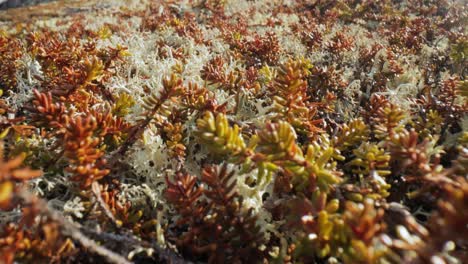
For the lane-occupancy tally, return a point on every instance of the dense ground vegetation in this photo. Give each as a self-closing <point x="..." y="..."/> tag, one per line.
<point x="236" y="132"/>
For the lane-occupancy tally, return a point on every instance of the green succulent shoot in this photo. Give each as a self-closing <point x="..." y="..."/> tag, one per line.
<point x="218" y="135"/>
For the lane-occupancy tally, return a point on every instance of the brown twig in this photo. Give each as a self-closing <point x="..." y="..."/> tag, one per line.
<point x="164" y="254"/>
<point x="71" y="230"/>
<point x="96" y="189"/>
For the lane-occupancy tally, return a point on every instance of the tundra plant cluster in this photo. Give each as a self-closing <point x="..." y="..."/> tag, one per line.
<point x="234" y="131"/>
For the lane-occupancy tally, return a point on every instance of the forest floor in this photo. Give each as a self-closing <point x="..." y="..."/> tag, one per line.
<point x="234" y="131"/>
